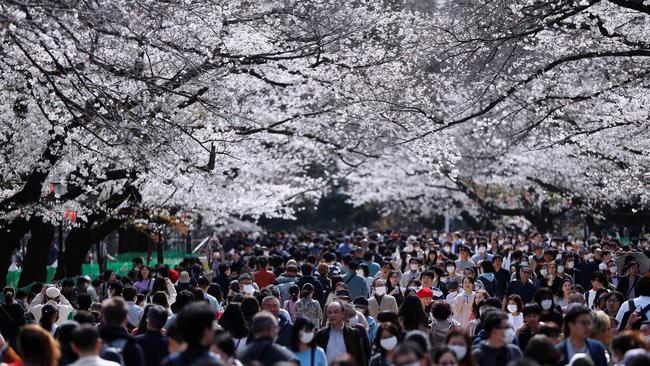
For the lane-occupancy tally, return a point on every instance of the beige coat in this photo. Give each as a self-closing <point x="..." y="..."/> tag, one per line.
<point x="387" y="303"/>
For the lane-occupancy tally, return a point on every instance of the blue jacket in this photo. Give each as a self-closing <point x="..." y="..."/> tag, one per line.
<point x="596" y="351"/>
<point x="357" y="285"/>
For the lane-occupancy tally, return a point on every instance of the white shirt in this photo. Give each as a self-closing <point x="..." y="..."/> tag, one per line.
<point x="93" y="361"/>
<point x="134" y="313"/>
<point x="214" y="303"/>
<point x="639" y="302"/>
<point x="516" y="321"/>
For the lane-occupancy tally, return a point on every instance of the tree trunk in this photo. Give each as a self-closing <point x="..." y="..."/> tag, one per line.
<point x="79" y="242"/>
<point x="38" y="248"/>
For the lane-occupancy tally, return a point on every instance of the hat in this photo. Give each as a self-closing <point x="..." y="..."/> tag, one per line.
<point x="360" y="302"/>
<point x="342" y="294"/>
<point x="184" y="278"/>
<point x="245" y="276"/>
<point x="424" y="293"/>
<point x="52" y="293"/>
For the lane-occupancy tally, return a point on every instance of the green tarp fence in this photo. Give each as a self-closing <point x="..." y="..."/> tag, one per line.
<point x="121" y="266"/>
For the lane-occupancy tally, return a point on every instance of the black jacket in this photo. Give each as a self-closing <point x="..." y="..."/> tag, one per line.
<point x="353" y="343"/>
<point x="132" y="353"/>
<point x="154" y="346"/>
<point x="265" y="351"/>
<point x="624" y="285"/>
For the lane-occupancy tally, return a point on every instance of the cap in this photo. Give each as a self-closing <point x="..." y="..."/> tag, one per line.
<point x="52" y="293"/>
<point x="184" y="278"/>
<point x="245" y="276"/>
<point x="424" y="293"/>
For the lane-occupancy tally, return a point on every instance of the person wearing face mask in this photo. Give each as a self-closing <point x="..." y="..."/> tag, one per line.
<point x="497" y="349"/>
<point x="412" y="273"/>
<point x="570" y="270"/>
<point x="513" y="307"/>
<point x="303" y="344"/>
<point x="481" y="253"/>
<point x="458" y="341"/>
<point x="544" y="298"/>
<point x="380" y="301"/>
<point x="385" y="343"/>
<point x="447" y="252"/>
<point x="450" y="268"/>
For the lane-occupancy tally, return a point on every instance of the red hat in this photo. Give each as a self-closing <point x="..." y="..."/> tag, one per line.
<point x="173" y="275"/>
<point x="424" y="293"/>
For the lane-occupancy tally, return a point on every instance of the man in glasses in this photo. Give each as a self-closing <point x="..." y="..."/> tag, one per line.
<point x="522" y="287"/>
<point x="578" y="322"/>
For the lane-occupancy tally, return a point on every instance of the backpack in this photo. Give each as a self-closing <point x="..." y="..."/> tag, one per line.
<point x="112" y="351"/>
<point x="632" y="308"/>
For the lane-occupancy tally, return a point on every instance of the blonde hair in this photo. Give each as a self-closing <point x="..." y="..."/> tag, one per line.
<point x="602" y="322"/>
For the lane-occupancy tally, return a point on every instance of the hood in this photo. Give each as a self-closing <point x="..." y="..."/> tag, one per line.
<point x="488" y="276"/>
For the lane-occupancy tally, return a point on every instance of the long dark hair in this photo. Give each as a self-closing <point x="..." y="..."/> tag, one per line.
<point x="232" y="320"/>
<point x="412" y="314"/>
<point x="140" y="278"/>
<point x="159" y="285"/>
<point x="142" y="326"/>
<point x="390" y="328"/>
<point x="301" y="324"/>
<point x="48" y="313"/>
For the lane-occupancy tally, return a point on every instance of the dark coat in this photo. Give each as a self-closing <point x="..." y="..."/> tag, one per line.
<point x="353" y="343"/>
<point x="596" y="351"/>
<point x="131" y="353"/>
<point x="154" y="347"/>
<point x="624" y="284"/>
<point x="265" y="351"/>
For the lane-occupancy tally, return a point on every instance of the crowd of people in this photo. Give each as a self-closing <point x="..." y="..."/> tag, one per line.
<point x="357" y="298"/>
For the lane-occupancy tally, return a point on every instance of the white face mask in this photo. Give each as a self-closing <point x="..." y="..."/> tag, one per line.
<point x="446" y="249"/>
<point x="460" y="351"/>
<point x="306" y="337"/>
<point x="558" y="256"/>
<point x="360" y="272"/>
<point x="543" y="272"/>
<point x="414" y="267"/>
<point x="249" y="289"/>
<point x="546" y="304"/>
<point x="380" y="290"/>
<point x="510" y="335"/>
<point x="512" y="308"/>
<point x="388" y="343"/>
<point x="560" y="269"/>
<point x="602" y="266"/>
<point x="451" y="269"/>
<point x="482" y="250"/>
<point x="613" y="270"/>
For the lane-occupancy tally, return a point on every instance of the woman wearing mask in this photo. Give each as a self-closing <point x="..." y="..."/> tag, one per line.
<point x="389" y="337"/>
<point x="460" y="343"/>
<point x="548" y="277"/>
<point x="304" y="346"/>
<point x="464" y="302"/>
<point x="544" y="298"/>
<point x="450" y="267"/>
<point x="513" y="308"/>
